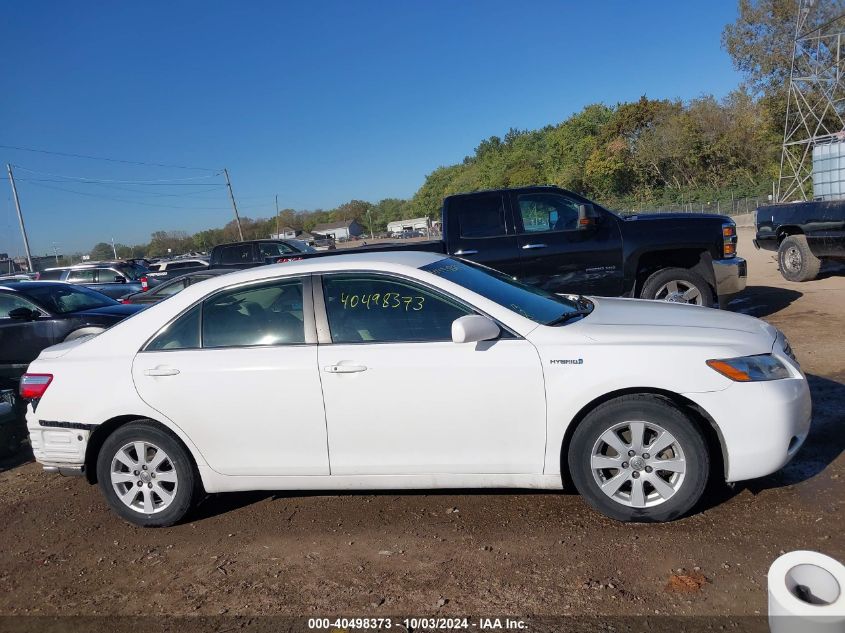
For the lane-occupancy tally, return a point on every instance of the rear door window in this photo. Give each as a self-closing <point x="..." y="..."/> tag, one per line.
<point x="108" y="276"/>
<point x="265" y="314"/>
<point x="236" y="254"/>
<point x="480" y="215"/>
<point x="81" y="276"/>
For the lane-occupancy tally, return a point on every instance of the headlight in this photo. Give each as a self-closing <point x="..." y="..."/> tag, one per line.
<point x="751" y="368"/>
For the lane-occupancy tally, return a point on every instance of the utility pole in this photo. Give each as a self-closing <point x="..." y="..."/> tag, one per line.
<point x="20" y="218"/>
<point x="56" y="253"/>
<point x="113" y="249"/>
<point x="234" y="204"/>
<point x="277" y="217"/>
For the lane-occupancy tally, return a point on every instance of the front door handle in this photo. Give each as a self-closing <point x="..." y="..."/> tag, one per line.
<point x="161" y="371"/>
<point x="528" y="247"/>
<point x="344" y="369"/>
<point x="467" y="252"/>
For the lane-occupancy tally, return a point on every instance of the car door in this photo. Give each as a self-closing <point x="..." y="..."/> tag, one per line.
<point x="402" y="398"/>
<point x="481" y="229"/>
<point x="21" y="340"/>
<point x="558" y="255"/>
<point x="238" y="373"/>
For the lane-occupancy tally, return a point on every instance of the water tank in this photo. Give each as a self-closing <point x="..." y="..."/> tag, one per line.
<point x="829" y="171"/>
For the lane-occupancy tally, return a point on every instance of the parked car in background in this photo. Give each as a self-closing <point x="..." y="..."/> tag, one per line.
<point x="324" y="244"/>
<point x="563" y="243"/>
<point x="247" y="380"/>
<point x="165" y="269"/>
<point x="112" y="278"/>
<point x="37" y="314"/>
<point x="257" y="252"/>
<point x="803" y="234"/>
<point x="172" y="286"/>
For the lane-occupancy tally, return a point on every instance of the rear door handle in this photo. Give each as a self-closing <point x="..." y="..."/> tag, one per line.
<point x="528" y="247"/>
<point x="161" y="371"/>
<point x="467" y="252"/>
<point x="344" y="369"/>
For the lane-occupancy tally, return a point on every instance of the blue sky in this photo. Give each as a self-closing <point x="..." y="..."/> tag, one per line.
<point x="318" y="102"/>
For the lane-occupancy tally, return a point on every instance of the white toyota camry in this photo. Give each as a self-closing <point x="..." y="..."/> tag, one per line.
<point x="414" y="370"/>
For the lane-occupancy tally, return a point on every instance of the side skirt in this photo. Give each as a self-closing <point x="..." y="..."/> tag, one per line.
<point x="215" y="482"/>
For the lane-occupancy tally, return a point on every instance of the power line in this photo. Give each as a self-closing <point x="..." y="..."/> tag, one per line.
<point x="109" y="160"/>
<point x="125" y="200"/>
<point x="159" y="182"/>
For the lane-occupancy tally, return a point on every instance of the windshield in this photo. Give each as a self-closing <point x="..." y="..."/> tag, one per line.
<point x="528" y="301"/>
<point x="63" y="299"/>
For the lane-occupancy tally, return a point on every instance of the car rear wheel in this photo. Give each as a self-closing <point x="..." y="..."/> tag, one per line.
<point x="678" y="285"/>
<point x="146" y="475"/>
<point x="639" y="458"/>
<point x="796" y="260"/>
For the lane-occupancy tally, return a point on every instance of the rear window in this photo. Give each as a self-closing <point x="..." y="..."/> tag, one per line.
<point x="51" y="275"/>
<point x="480" y="215"/>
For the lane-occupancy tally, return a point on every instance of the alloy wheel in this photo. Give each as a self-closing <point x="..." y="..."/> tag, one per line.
<point x="143" y="477"/>
<point x="638" y="464"/>
<point x="679" y="291"/>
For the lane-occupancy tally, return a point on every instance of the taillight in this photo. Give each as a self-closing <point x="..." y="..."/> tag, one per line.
<point x="144" y="284"/>
<point x="33" y="386"/>
<point x="729" y="239"/>
<point x="125" y="301"/>
<point x="37" y="276"/>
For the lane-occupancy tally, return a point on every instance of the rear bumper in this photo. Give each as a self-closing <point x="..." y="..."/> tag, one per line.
<point x="761" y="425"/>
<point x="57" y="449"/>
<point x="731" y="276"/>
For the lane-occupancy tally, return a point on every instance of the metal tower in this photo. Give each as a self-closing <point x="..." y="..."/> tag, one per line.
<point x="815" y="111"/>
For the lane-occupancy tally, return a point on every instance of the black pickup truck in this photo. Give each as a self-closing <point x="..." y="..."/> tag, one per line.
<point x="802" y="234"/>
<point x="562" y="242"/>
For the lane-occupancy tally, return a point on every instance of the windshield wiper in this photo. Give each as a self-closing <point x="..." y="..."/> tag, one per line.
<point x="567" y="316"/>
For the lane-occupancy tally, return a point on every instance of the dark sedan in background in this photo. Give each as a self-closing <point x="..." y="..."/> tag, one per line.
<point x="37" y="314"/>
<point x="171" y="287"/>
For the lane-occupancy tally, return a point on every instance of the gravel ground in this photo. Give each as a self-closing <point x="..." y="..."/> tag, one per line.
<point x="493" y="552"/>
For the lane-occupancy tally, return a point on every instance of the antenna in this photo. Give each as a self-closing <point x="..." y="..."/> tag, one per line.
<point x="816" y="103"/>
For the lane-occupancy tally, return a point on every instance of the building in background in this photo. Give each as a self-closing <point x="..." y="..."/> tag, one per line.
<point x="414" y="224"/>
<point x="339" y="231"/>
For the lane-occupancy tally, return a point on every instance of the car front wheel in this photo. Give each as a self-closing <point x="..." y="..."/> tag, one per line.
<point x="146" y="475"/>
<point x="678" y="285"/>
<point x="639" y="458"/>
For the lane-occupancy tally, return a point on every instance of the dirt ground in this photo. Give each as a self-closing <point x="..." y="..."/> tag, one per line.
<point x="459" y="552"/>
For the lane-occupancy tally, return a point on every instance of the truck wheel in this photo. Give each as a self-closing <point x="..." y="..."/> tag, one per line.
<point x="146" y="475"/>
<point x="678" y="285"/>
<point x="796" y="260"/>
<point x="639" y="458"/>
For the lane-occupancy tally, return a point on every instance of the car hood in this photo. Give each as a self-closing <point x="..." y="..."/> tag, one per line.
<point x="630" y="321"/>
<point x="117" y="311"/>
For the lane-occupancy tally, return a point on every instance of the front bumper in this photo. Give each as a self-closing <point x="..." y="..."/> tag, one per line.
<point x="731" y="276"/>
<point x="761" y="424"/>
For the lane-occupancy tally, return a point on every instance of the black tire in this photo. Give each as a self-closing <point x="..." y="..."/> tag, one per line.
<point x="796" y="261"/>
<point x="653" y="410"/>
<point x="180" y="466"/>
<point x="655" y="287"/>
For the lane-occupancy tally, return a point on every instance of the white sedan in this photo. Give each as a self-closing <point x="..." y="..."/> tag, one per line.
<point x="414" y="370"/>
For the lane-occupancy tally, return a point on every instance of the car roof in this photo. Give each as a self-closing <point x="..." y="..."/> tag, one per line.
<point x="350" y="261"/>
<point x="22" y="285"/>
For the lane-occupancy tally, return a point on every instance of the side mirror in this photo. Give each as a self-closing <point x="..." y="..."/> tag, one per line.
<point x="24" y="314"/>
<point x="473" y="328"/>
<point x="588" y="217"/>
